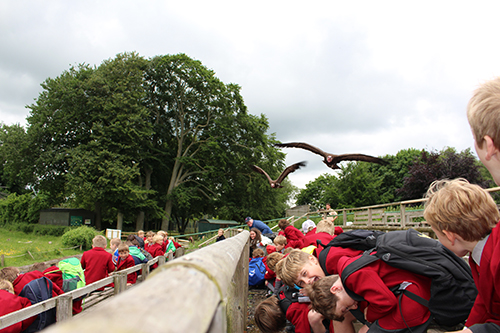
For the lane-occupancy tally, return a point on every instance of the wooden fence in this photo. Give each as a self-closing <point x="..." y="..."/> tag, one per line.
<point x="203" y="291"/>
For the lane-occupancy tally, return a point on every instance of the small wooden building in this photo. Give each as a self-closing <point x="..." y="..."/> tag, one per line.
<point x="67" y="217"/>
<point x="211" y="224"/>
<point x="297" y="211"/>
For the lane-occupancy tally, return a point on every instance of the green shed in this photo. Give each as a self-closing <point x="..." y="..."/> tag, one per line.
<point x="67" y="217"/>
<point x="211" y="224"/>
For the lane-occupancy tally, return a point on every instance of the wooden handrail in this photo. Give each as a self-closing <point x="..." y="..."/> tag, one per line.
<point x="203" y="291"/>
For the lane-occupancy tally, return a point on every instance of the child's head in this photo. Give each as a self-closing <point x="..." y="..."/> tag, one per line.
<point x="150" y="235"/>
<point x="140" y="233"/>
<point x="220" y="232"/>
<point x="329" y="298"/>
<point x="99" y="241"/>
<point x="157" y="239"/>
<point x="39" y="266"/>
<point x="272" y="260"/>
<point x="6" y="285"/>
<point x="280" y="242"/>
<point x="483" y="112"/>
<point x="299" y="268"/>
<point x="269" y="317"/>
<point x="114" y="243"/>
<point x="9" y="273"/>
<point x="257" y="253"/>
<point x="123" y="251"/>
<point x="288" y="250"/>
<point x="326" y="226"/>
<point x="283" y="223"/>
<point x="460" y="207"/>
<point x="307" y="226"/>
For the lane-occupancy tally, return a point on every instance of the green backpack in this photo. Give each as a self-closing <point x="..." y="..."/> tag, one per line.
<point x="72" y="273"/>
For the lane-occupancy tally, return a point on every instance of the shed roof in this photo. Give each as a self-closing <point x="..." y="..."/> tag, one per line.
<point x="213" y="221"/>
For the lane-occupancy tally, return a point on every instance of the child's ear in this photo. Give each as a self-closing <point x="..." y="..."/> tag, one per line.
<point x="452" y="237"/>
<point x="335" y="289"/>
<point x="491" y="149"/>
<point x="313" y="260"/>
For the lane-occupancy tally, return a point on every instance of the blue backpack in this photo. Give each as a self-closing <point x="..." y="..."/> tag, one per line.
<point x="37" y="291"/>
<point x="256" y="272"/>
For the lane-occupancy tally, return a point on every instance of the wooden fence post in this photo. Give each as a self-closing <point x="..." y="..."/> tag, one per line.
<point x="144" y="271"/>
<point x="161" y="260"/>
<point x="64" y="308"/>
<point x="403" y="217"/>
<point x="344" y="216"/>
<point x="120" y="281"/>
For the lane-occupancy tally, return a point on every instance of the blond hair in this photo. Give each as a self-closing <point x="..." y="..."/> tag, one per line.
<point x="289" y="267"/>
<point x="99" y="241"/>
<point x="157" y="238"/>
<point x="483" y="112"/>
<point x="460" y="207"/>
<point x="272" y="260"/>
<point x="115" y="241"/>
<point x="322" y="299"/>
<point x="325" y="226"/>
<point x="268" y="316"/>
<point x="6" y="285"/>
<point x="280" y="240"/>
<point x="123" y="247"/>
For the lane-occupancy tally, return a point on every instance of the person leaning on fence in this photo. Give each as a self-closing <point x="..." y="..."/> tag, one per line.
<point x="18" y="280"/>
<point x="97" y="262"/>
<point x="125" y="261"/>
<point x="324" y="233"/>
<point x="293" y="235"/>
<point x="220" y="235"/>
<point x="464" y="218"/>
<point x="134" y="250"/>
<point x="149" y="240"/>
<point x="10" y="303"/>
<point x="263" y="228"/>
<point x="255" y="240"/>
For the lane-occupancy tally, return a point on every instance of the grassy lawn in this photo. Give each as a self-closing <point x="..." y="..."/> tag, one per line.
<point x="14" y="245"/>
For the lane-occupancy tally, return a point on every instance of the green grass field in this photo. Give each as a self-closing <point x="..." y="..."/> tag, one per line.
<point x="14" y="246"/>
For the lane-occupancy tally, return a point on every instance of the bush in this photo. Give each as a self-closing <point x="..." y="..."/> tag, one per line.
<point x="79" y="236"/>
<point x="50" y="230"/>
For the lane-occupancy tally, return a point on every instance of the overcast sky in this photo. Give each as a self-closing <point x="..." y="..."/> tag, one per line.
<point x="369" y="77"/>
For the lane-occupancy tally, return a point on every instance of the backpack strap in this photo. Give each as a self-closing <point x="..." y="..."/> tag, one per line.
<point x="323" y="255"/>
<point x="361" y="262"/>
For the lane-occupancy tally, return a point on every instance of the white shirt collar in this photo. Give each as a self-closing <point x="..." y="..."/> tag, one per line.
<point x="478" y="250"/>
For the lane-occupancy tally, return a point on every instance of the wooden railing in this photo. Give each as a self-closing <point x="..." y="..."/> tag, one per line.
<point x="203" y="291"/>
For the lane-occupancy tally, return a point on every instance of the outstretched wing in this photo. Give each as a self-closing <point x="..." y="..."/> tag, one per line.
<point x="358" y="157"/>
<point x="260" y="170"/>
<point x="290" y="169"/>
<point x="302" y="145"/>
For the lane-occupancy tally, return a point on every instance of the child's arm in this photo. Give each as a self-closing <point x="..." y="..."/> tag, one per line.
<point x="316" y="322"/>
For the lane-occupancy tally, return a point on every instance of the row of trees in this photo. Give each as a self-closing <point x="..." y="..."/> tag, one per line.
<point x="407" y="176"/>
<point x="145" y="140"/>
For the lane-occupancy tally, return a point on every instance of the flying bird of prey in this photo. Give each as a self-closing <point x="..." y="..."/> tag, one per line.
<point x="331" y="160"/>
<point x="277" y="183"/>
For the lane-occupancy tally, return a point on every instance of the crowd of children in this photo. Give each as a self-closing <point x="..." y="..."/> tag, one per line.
<point x="95" y="264"/>
<point x="464" y="218"/>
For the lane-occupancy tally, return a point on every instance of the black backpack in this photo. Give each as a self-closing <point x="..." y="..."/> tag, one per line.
<point x="452" y="288"/>
<point x="37" y="291"/>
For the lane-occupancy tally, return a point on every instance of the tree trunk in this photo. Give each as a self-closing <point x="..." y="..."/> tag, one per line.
<point x="139" y="223"/>
<point x="98" y="217"/>
<point x="166" y="218"/>
<point x="119" y="223"/>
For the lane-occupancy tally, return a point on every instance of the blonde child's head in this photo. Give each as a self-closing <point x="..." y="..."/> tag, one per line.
<point x="483" y="112"/>
<point x="272" y="260"/>
<point x="9" y="273"/>
<point x="157" y="239"/>
<point x="322" y="299"/>
<point x="99" y="241"/>
<point x="114" y="243"/>
<point x="140" y="233"/>
<point x="462" y="208"/>
<point x="257" y="253"/>
<point x="268" y="316"/>
<point x="6" y="285"/>
<point x="280" y="242"/>
<point x="289" y="267"/>
<point x="326" y="226"/>
<point x="288" y="250"/>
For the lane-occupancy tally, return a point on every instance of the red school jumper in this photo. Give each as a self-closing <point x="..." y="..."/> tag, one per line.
<point x="11" y="303"/>
<point x="24" y="279"/>
<point x="486" y="308"/>
<point x="97" y="264"/>
<point x="373" y="281"/>
<point x="294" y="238"/>
<point x="156" y="250"/>
<point x="312" y="239"/>
<point x="123" y="264"/>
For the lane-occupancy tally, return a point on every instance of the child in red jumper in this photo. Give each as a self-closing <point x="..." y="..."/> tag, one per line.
<point x="18" y="280"/>
<point x="294" y="237"/>
<point x="97" y="262"/>
<point x="125" y="261"/>
<point x="156" y="249"/>
<point x="324" y="233"/>
<point x="10" y="303"/>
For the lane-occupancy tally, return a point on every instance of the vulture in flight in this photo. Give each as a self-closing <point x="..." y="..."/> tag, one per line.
<point x="277" y="183"/>
<point x="331" y="160"/>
